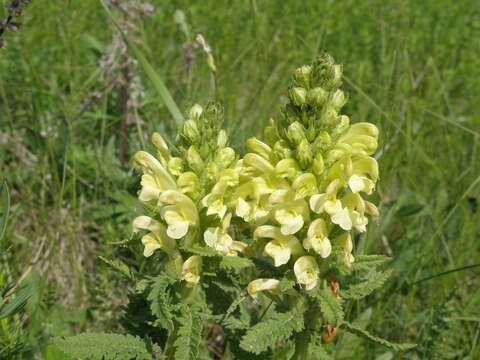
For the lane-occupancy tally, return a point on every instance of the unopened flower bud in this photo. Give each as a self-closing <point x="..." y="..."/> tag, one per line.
<point x="282" y="150"/>
<point x="318" y="165"/>
<point x="296" y="133"/>
<point x="160" y="145"/>
<point x="304" y="154"/>
<point x="338" y="99"/>
<point x="195" y="111"/>
<point x="194" y="160"/>
<point x="297" y="96"/>
<point x="175" y="166"/>
<point x="301" y="76"/>
<point x="222" y="139"/>
<point x="225" y="157"/>
<point x="270" y="135"/>
<point x="258" y="147"/>
<point x="317" y="96"/>
<point x="329" y="116"/>
<point x="190" y="131"/>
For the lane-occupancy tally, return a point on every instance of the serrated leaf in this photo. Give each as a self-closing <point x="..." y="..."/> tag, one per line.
<point x="199" y="250"/>
<point x="233" y="306"/>
<point x="369" y="262"/>
<point x="317" y="352"/>
<point x="119" y="267"/>
<point x="189" y="333"/>
<point x="373" y="281"/>
<point x="288" y="281"/>
<point x="103" y="346"/>
<point x="269" y="332"/>
<point x="234" y="262"/>
<point x="160" y="301"/>
<point x="330" y="306"/>
<point x="365" y="334"/>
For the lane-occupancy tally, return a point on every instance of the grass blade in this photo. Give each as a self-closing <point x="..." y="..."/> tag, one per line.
<point x="5" y="209"/>
<point x="151" y="73"/>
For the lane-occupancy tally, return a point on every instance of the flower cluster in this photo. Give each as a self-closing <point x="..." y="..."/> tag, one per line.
<point x="305" y="183"/>
<point x="299" y="193"/>
<point x="185" y="194"/>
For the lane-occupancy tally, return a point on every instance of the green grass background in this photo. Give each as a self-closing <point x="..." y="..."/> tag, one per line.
<point x="411" y="67"/>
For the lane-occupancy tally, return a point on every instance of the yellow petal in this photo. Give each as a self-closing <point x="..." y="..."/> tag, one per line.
<point x="342" y="218"/>
<point x="152" y="166"/>
<point x="151" y="243"/>
<point x="186" y="205"/>
<point x="258" y="163"/>
<point x="278" y="251"/>
<point x="317" y="202"/>
<point x="218" y="239"/>
<point x="271" y="285"/>
<point x="191" y="270"/>
<point x="306" y="271"/>
<point x="178" y="229"/>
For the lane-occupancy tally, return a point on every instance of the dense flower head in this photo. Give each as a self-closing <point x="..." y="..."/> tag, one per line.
<point x="310" y="176"/>
<point x="184" y="192"/>
<point x="297" y="196"/>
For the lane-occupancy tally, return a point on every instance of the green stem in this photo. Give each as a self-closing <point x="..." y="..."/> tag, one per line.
<point x="301" y="345"/>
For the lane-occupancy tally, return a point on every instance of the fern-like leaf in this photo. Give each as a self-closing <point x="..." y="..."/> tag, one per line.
<point x="119" y="267"/>
<point x="103" y="346"/>
<point x="369" y="262"/>
<point x="317" y="352"/>
<point x="373" y="281"/>
<point x="160" y="301"/>
<point x="234" y="262"/>
<point x="269" y="332"/>
<point x="365" y="334"/>
<point x="330" y="306"/>
<point x="189" y="334"/>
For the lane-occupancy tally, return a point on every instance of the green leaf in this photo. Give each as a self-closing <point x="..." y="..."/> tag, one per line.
<point x="189" y="334"/>
<point x="234" y="262"/>
<point x="288" y="281"/>
<point x="369" y="262"/>
<point x="199" y="250"/>
<point x="269" y="332"/>
<point x="103" y="346"/>
<point x="233" y="306"/>
<point x="373" y="281"/>
<point x="317" y="352"/>
<point x="330" y="306"/>
<point x="119" y="267"/>
<point x="161" y="301"/>
<point x="366" y="335"/>
<point x="151" y="73"/>
<point x="18" y="303"/>
<point x="5" y="209"/>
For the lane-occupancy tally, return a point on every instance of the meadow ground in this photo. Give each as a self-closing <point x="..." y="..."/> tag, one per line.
<point x="412" y="68"/>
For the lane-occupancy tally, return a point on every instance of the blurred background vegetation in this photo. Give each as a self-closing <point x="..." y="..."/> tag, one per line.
<point x="75" y="106"/>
